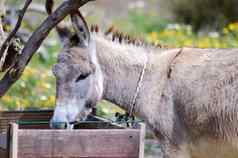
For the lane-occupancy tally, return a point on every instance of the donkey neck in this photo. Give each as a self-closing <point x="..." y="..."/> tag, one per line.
<point x="121" y="65"/>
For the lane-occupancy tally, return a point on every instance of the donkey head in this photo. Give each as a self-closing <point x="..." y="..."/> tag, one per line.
<point x="78" y="76"/>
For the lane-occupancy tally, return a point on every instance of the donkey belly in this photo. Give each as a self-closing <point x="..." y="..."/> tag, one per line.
<point x="211" y="148"/>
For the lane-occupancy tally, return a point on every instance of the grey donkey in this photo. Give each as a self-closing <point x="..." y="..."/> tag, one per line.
<point x="188" y="96"/>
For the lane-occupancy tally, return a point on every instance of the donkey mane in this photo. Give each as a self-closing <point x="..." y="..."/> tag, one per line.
<point x="117" y="37"/>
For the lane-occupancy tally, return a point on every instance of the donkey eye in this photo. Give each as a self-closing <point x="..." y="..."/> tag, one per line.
<point x="81" y="77"/>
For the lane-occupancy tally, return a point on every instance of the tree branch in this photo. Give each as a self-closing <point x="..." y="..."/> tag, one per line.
<point x="14" y="31"/>
<point x="36" y="39"/>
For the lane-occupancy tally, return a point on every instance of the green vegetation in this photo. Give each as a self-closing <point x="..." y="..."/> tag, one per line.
<point x="36" y="88"/>
<point x="212" y="14"/>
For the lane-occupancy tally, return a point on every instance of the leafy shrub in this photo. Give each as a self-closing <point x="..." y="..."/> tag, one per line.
<point x="204" y="13"/>
<point x="146" y="22"/>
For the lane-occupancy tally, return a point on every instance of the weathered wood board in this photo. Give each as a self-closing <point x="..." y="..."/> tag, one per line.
<point x="3" y="146"/>
<point x="85" y="143"/>
<point x="99" y="140"/>
<point x="3" y="153"/>
<point x="7" y="117"/>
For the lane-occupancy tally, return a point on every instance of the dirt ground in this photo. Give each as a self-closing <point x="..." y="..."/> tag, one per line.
<point x="152" y="149"/>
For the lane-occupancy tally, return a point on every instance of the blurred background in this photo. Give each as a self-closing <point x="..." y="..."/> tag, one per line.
<point x="177" y="23"/>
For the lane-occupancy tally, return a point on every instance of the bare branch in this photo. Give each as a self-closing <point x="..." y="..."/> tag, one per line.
<point x="14" y="31"/>
<point x="36" y="39"/>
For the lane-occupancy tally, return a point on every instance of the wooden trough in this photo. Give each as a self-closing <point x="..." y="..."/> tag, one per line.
<point x="96" y="139"/>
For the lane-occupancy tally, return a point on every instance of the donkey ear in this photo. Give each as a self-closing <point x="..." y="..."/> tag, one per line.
<point x="62" y="29"/>
<point x="63" y="32"/>
<point x="81" y="28"/>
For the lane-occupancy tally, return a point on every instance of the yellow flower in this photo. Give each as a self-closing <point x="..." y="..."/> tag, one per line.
<point x="22" y="84"/>
<point x="18" y="104"/>
<point x="7" y="28"/>
<point x="6" y="98"/>
<point x="225" y="31"/>
<point x="233" y="26"/>
<point x="171" y="33"/>
<point x="28" y="72"/>
<point x="188" y="42"/>
<point x="46" y="85"/>
<point x="216" y="44"/>
<point x="43" y="98"/>
<point x="204" y="43"/>
<point x="52" y="99"/>
<point x="152" y="37"/>
<point x="49" y="102"/>
<point x="25" y="103"/>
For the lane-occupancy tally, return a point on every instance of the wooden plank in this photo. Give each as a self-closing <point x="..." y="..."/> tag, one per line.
<point x="39" y="126"/>
<point x="23" y="114"/>
<point x="115" y="143"/>
<point x="3" y="153"/>
<point x="3" y="146"/>
<point x="13" y="141"/>
<point x="97" y="125"/>
<point x="142" y="140"/>
<point x="3" y="141"/>
<point x="7" y="117"/>
<point x="26" y="114"/>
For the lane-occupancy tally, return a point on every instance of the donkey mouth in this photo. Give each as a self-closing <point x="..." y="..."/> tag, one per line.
<point x="67" y="125"/>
